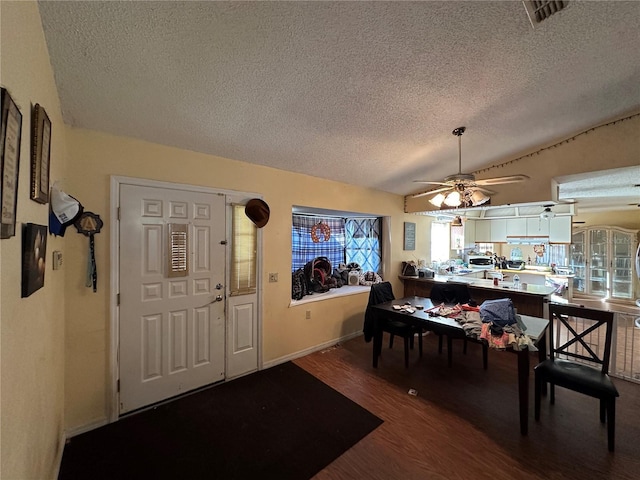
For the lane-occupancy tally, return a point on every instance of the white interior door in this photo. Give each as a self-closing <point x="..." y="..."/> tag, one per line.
<point x="172" y="308"/>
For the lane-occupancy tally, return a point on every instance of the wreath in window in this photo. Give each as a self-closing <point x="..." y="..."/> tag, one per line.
<point x="320" y="230"/>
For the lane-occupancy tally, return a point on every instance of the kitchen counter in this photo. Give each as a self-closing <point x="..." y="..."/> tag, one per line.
<point x="530" y="301"/>
<point x="484" y="284"/>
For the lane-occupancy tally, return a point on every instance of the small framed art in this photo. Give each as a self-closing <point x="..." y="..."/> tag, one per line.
<point x="10" y="133"/>
<point x="40" y="155"/>
<point x="34" y="253"/>
<point x="409" y="236"/>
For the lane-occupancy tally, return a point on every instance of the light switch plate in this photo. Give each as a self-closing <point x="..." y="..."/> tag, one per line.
<point x="57" y="259"/>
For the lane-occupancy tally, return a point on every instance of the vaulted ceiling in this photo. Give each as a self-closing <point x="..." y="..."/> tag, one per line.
<point x="361" y="92"/>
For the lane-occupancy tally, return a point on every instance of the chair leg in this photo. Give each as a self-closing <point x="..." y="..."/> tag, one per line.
<point x="552" y="393"/>
<point x="611" y="423"/>
<point x="449" y="351"/>
<point x="420" y="342"/>
<point x="391" y="340"/>
<point x="537" y="395"/>
<point x="411" y="341"/>
<point x="406" y="352"/>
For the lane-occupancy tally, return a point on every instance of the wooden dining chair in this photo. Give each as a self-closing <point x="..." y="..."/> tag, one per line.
<point x="451" y="293"/>
<point x="383" y="292"/>
<point x="579" y="354"/>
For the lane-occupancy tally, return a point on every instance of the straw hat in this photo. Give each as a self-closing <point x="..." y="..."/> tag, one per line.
<point x="257" y="211"/>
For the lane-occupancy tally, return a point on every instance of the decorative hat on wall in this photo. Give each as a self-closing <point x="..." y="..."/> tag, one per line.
<point x="257" y="211"/>
<point x="64" y="210"/>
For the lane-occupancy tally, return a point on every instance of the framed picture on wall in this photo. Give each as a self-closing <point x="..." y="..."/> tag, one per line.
<point x="34" y="253"/>
<point x="40" y="155"/>
<point x="409" y="236"/>
<point x="10" y="133"/>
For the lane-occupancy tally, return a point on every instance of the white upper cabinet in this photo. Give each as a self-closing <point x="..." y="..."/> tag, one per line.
<point x="498" y="230"/>
<point x="516" y="227"/>
<point x="537" y="227"/>
<point x="560" y="230"/>
<point x="483" y="231"/>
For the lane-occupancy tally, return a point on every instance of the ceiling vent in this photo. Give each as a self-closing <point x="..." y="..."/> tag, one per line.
<point x="539" y="10"/>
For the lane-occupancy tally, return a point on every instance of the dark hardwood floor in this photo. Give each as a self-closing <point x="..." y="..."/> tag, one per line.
<point x="463" y="422"/>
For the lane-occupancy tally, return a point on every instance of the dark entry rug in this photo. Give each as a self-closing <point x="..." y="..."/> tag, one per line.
<point x="280" y="423"/>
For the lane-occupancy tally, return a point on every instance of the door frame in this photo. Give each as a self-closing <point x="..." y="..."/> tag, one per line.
<point x="231" y="196"/>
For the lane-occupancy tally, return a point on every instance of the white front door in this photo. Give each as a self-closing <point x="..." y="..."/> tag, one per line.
<point x="171" y="325"/>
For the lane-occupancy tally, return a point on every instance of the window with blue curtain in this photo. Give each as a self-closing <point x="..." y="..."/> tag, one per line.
<point x="341" y="240"/>
<point x="363" y="243"/>
<point x="315" y="236"/>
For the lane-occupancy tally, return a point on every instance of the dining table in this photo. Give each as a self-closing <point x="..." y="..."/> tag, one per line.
<point x="422" y="316"/>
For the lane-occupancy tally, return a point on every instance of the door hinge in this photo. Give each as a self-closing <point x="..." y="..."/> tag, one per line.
<point x="118" y="385"/>
<point x="118" y="299"/>
<point x="118" y="213"/>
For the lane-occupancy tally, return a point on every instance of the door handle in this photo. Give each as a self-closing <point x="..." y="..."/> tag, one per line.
<point x="218" y="298"/>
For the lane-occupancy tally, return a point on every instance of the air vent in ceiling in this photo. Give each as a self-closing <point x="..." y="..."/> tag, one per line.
<point x="538" y="10"/>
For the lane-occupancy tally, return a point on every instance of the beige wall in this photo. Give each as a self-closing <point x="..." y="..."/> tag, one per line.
<point x="94" y="157"/>
<point x="31" y="329"/>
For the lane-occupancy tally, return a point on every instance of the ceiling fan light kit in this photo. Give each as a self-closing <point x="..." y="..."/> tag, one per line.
<point x="464" y="189"/>
<point x="547" y="214"/>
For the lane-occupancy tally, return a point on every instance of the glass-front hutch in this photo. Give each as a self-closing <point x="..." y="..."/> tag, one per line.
<point x="603" y="260"/>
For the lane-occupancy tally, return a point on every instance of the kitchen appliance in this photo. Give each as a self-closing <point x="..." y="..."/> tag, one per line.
<point x="480" y="262"/>
<point x="515" y="264"/>
<point x="425" y="273"/>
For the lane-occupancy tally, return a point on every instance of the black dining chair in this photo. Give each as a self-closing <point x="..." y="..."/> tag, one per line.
<point x="579" y="354"/>
<point x="451" y="293"/>
<point x="380" y="293"/>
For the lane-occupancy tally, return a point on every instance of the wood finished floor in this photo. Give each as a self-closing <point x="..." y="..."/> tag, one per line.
<point x="463" y="423"/>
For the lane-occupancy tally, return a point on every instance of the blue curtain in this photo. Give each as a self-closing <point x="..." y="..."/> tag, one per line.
<point x="305" y="249"/>
<point x="363" y="243"/>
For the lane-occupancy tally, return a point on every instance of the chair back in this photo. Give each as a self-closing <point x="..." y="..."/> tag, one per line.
<point x="581" y="334"/>
<point x="380" y="293"/>
<point x="449" y="293"/>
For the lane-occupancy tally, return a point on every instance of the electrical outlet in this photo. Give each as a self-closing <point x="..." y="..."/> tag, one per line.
<point x="308" y="315"/>
<point x="273" y="277"/>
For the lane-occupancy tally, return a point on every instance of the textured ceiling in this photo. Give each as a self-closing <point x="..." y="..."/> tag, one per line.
<point x="361" y="92"/>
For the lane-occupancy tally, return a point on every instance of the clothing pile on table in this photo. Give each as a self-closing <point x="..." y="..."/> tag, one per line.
<point x="494" y="321"/>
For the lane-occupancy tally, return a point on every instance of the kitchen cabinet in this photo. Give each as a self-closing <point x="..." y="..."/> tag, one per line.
<point x="483" y="231"/>
<point x="470" y="234"/>
<point x="498" y="232"/>
<point x="537" y="227"/>
<point x="516" y="227"/>
<point x="602" y="259"/>
<point x="560" y="230"/>
<point x="463" y="236"/>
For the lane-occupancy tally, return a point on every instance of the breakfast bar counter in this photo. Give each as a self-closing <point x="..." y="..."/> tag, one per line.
<point x="531" y="300"/>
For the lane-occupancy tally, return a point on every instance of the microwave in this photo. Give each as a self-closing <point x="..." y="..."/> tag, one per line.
<point x="480" y="261"/>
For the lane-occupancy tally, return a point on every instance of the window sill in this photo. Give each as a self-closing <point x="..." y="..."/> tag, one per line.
<point x="333" y="293"/>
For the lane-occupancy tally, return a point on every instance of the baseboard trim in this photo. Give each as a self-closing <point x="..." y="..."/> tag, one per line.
<point x="307" y="351"/>
<point x="101" y="422"/>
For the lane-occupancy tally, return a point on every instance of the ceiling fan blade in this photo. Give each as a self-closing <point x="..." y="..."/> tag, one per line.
<point x="484" y="190"/>
<point x="502" y="180"/>
<point x="431" y="183"/>
<point x="432" y="192"/>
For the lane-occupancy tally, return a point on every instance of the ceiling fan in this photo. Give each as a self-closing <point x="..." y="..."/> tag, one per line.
<point x="547" y="213"/>
<point x="463" y="188"/>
